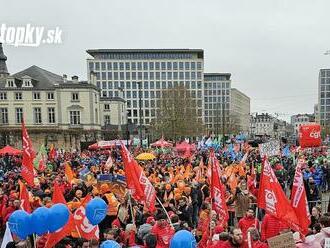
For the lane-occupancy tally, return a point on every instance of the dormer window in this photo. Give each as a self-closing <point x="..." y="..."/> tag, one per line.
<point x="10" y="83"/>
<point x="27" y="83"/>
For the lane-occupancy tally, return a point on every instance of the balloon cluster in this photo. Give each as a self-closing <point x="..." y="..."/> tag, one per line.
<point x="44" y="220"/>
<point x="41" y="221"/>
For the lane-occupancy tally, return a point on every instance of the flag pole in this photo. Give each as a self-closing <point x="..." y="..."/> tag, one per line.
<point x="161" y="204"/>
<point x="130" y="206"/>
<point x="210" y="229"/>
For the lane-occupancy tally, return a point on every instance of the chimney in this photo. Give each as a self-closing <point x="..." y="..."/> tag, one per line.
<point x="65" y="78"/>
<point x="74" y="79"/>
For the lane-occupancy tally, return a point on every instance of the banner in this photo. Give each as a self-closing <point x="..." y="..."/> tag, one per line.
<point x="310" y="135"/>
<point x="271" y="148"/>
<point x="85" y="229"/>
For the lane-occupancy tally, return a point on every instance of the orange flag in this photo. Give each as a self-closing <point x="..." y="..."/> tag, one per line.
<point x="24" y="197"/>
<point x="57" y="236"/>
<point x="187" y="171"/>
<point x="69" y="173"/>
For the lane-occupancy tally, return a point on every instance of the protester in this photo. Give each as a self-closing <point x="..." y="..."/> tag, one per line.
<point x="186" y="201"/>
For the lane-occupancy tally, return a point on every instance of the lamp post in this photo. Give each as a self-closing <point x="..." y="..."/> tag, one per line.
<point x="140" y="110"/>
<point x="223" y="123"/>
<point x="121" y="94"/>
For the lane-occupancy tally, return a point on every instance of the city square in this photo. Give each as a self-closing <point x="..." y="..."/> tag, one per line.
<point x="197" y="130"/>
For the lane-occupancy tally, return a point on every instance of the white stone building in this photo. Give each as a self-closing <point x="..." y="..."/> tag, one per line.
<point x="63" y="112"/>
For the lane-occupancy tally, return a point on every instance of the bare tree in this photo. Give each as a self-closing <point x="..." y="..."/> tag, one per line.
<point x="177" y="115"/>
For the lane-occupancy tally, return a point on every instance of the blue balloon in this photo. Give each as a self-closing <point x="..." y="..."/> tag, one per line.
<point x="39" y="220"/>
<point x="58" y="217"/>
<point x="110" y="244"/>
<point x="19" y="224"/>
<point x="183" y="239"/>
<point x="96" y="210"/>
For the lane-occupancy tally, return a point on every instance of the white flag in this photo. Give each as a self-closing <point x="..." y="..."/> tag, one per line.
<point x="7" y="237"/>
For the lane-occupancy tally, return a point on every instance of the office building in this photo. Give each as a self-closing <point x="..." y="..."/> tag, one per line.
<point x="146" y="71"/>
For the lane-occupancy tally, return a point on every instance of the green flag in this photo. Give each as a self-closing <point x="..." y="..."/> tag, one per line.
<point x="40" y="160"/>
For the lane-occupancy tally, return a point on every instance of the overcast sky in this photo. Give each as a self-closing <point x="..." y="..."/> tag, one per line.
<point x="273" y="49"/>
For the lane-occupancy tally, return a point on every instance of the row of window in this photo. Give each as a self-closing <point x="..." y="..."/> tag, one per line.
<point x="148" y="75"/>
<point x="151" y="103"/>
<point x="145" y="94"/>
<point x="103" y="66"/>
<point x="216" y="120"/>
<point x="37" y="116"/>
<point x="216" y="96"/>
<point x="37" y="119"/>
<point x="325" y="73"/>
<point x="36" y="96"/>
<point x="149" y="85"/>
<point x="217" y="85"/>
<point x="19" y="95"/>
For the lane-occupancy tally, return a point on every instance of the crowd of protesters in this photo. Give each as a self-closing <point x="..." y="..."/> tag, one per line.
<point x="183" y="192"/>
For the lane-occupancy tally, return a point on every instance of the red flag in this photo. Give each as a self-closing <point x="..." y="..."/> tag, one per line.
<point x="272" y="198"/>
<point x="299" y="199"/>
<point x="57" y="236"/>
<point x="24" y="197"/>
<point x="137" y="182"/>
<point x="52" y="152"/>
<point x="310" y="135"/>
<point x="218" y="190"/>
<point x="28" y="156"/>
<point x="83" y="226"/>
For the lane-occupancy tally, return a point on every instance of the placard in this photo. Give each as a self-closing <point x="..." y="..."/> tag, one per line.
<point x="282" y="241"/>
<point x="271" y="148"/>
<point x="327" y="243"/>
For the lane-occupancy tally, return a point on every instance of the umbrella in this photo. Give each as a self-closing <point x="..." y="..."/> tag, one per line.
<point x="145" y="156"/>
<point x="161" y="143"/>
<point x="10" y="151"/>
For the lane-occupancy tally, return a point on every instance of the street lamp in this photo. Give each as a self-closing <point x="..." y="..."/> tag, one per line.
<point x="140" y="110"/>
<point x="121" y="94"/>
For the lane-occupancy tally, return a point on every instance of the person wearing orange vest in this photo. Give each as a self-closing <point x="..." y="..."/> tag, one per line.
<point x="113" y="205"/>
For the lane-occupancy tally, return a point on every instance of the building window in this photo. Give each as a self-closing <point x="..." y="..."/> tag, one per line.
<point x="50" y="96"/>
<point x="75" y="117"/>
<point x="75" y="96"/>
<point x="3" y="95"/>
<point x="3" y="115"/>
<point x="36" y="95"/>
<point x="51" y="115"/>
<point x="19" y="115"/>
<point x="107" y="120"/>
<point x="10" y="83"/>
<point x="37" y="115"/>
<point x="106" y="106"/>
<point x="18" y="96"/>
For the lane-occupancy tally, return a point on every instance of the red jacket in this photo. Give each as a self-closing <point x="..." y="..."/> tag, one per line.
<point x="163" y="234"/>
<point x="246" y="222"/>
<point x="271" y="227"/>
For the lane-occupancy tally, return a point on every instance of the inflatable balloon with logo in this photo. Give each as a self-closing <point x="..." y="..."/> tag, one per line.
<point x="96" y="210"/>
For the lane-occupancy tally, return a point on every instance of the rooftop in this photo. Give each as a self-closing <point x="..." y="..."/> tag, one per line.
<point x="96" y="52"/>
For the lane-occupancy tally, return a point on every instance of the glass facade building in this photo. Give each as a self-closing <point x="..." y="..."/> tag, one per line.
<point x="217" y="100"/>
<point x="324" y="97"/>
<point x="127" y="73"/>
